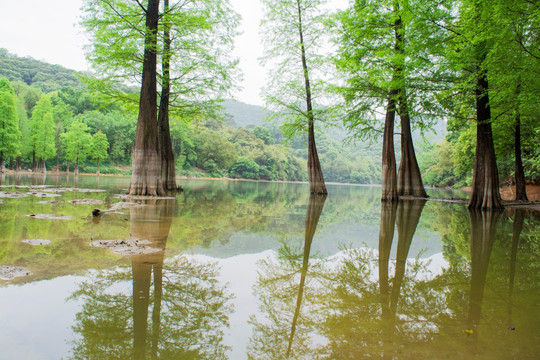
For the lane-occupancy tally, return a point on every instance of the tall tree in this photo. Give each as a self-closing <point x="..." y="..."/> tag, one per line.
<point x="194" y="47"/>
<point x="100" y="145"/>
<point x="387" y="53"/>
<point x="168" y="173"/>
<point x="10" y="136"/>
<point x="146" y="167"/>
<point x="77" y="143"/>
<point x="477" y="31"/>
<point x="42" y="134"/>
<point x="293" y="36"/>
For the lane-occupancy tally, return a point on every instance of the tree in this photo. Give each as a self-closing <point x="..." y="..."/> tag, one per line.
<point x="195" y="69"/>
<point x="77" y="143"/>
<point x="389" y="52"/>
<point x="476" y="28"/>
<point x="146" y="172"/>
<point x="293" y="34"/>
<point x="42" y="134"/>
<point x="100" y="145"/>
<point x="10" y="136"/>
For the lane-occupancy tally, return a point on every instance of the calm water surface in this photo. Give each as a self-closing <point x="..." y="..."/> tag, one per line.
<point x="264" y="271"/>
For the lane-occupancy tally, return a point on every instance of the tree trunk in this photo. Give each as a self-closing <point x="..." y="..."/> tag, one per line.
<point x="40" y="166"/>
<point x="97" y="170"/>
<point x="34" y="164"/>
<point x="1" y="161"/>
<point x="146" y="167"/>
<point x="315" y="175"/>
<point x="521" y="190"/>
<point x="485" y="189"/>
<point x="409" y="181"/>
<point x="11" y="163"/>
<point x="389" y="179"/>
<point x="18" y="164"/>
<point x="168" y="173"/>
<point x="76" y="170"/>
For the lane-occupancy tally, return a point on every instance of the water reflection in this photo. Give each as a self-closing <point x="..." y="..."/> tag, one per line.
<point x="189" y="308"/>
<point x="285" y="331"/>
<point x="360" y="288"/>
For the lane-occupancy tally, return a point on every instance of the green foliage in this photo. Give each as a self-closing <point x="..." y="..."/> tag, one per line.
<point x="288" y="91"/>
<point x="100" y="145"/>
<point x="201" y="68"/>
<point x="244" y="168"/>
<point x="10" y="135"/>
<point x="76" y="142"/>
<point x="41" y="75"/>
<point x="374" y="62"/>
<point x="42" y="129"/>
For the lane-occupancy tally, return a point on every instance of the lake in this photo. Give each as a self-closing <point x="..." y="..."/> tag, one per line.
<point x="261" y="270"/>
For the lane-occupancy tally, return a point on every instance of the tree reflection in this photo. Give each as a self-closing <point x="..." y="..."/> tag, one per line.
<point x="281" y="288"/>
<point x="189" y="308"/>
<point x="483" y="227"/>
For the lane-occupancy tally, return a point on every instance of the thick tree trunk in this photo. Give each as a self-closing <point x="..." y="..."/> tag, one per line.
<point x="11" y="163"/>
<point x="409" y="181"/>
<point x="168" y="173"/>
<point x="521" y="190"/>
<point x="146" y="167"/>
<point x="389" y="178"/>
<point x="18" y="164"/>
<point x="41" y="167"/>
<point x="315" y="175"/>
<point x="2" y="162"/>
<point x="485" y="189"/>
<point x="76" y="169"/>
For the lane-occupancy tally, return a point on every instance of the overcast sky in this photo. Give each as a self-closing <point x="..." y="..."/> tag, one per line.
<point x="49" y="31"/>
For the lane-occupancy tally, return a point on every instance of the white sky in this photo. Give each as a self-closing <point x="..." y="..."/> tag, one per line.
<point x="48" y="30"/>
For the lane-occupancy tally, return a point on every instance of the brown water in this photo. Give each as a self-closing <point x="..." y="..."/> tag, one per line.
<point x="262" y="270"/>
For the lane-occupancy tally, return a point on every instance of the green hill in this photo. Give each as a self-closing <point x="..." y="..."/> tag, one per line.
<point x="42" y="75"/>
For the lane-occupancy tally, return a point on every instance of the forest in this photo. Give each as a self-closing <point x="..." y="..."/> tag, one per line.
<point x="459" y="78"/>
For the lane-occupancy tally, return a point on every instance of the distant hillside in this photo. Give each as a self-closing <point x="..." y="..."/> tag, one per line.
<point x="37" y="73"/>
<point x="244" y="115"/>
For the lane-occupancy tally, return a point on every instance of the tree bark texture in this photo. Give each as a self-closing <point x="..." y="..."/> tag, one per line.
<point x="315" y="175"/>
<point x="146" y="167"/>
<point x="485" y="188"/>
<point x="521" y="189"/>
<point x="168" y="172"/>
<point x="389" y="178"/>
<point x="1" y="161"/>
<point x="409" y="181"/>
